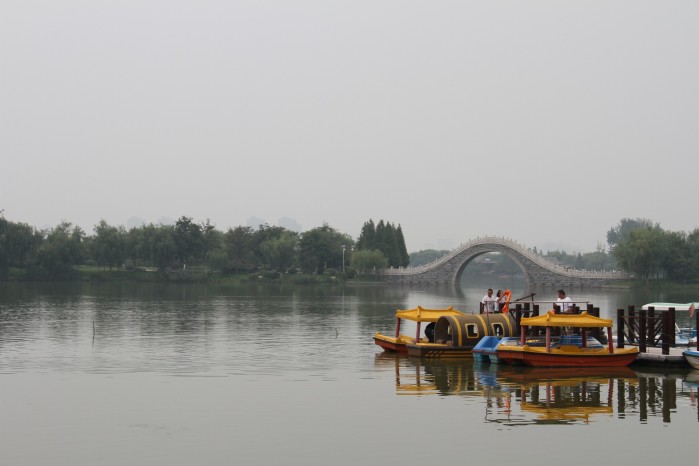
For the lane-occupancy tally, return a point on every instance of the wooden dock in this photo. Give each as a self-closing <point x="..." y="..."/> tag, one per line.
<point x="654" y="357"/>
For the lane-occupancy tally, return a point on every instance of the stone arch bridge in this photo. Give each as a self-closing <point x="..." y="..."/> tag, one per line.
<point x="537" y="270"/>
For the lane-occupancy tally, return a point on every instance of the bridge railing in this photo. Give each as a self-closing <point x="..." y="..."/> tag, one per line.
<point x="518" y="247"/>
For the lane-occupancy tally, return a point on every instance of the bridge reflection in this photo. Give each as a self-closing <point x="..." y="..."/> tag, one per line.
<point x="522" y="396"/>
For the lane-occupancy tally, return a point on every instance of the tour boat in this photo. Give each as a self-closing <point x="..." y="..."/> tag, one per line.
<point x="419" y="315"/>
<point x="487" y="349"/>
<point x="455" y="336"/>
<point x="540" y="351"/>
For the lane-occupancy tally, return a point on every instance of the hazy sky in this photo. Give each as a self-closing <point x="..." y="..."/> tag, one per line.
<point x="546" y="122"/>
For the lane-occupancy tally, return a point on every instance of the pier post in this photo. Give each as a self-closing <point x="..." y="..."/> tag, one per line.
<point x="632" y="324"/>
<point x="594" y="311"/>
<point x="619" y="328"/>
<point x="671" y="327"/>
<point x="642" y="334"/>
<point x="650" y="326"/>
<point x="665" y="324"/>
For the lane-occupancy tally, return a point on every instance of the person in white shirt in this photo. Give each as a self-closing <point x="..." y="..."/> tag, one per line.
<point x="490" y="302"/>
<point x="564" y="302"/>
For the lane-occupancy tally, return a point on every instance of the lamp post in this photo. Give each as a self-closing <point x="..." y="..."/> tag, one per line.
<point x="343" y="258"/>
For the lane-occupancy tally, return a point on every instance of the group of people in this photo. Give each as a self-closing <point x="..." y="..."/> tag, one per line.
<point x="492" y="303"/>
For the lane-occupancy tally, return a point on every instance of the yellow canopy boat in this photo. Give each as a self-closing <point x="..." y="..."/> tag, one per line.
<point x="533" y="351"/>
<point x="419" y="314"/>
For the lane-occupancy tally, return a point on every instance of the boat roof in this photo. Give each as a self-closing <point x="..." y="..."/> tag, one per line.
<point x="566" y="320"/>
<point x="667" y="306"/>
<point x="420" y="314"/>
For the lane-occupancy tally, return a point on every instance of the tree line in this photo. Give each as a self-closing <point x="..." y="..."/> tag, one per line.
<point x="641" y="247"/>
<point x="638" y="246"/>
<point x="54" y="253"/>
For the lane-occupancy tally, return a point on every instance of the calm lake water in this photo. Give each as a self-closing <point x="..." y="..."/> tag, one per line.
<point x="123" y="374"/>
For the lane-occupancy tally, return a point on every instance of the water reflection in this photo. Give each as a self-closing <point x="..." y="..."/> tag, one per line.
<point x="514" y="395"/>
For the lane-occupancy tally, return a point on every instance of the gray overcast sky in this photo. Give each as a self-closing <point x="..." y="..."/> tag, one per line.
<point x="545" y="122"/>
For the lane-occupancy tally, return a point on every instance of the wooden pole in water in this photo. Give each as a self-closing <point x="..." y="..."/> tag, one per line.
<point x="671" y="326"/>
<point x="633" y="324"/>
<point x="665" y="324"/>
<point x="642" y="331"/>
<point x="619" y="329"/>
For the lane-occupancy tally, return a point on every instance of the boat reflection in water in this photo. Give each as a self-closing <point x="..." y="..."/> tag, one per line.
<point x="519" y="395"/>
<point x="562" y="395"/>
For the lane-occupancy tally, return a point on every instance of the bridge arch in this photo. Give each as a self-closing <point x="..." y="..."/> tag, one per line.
<point x="537" y="270"/>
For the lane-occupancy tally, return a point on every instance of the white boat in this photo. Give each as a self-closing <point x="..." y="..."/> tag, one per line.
<point x="692" y="358"/>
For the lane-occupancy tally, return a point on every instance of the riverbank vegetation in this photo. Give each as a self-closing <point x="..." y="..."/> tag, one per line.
<point x="191" y="251"/>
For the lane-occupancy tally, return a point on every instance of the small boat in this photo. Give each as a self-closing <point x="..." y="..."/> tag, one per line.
<point x="546" y="351"/>
<point x="692" y="357"/>
<point x="486" y="349"/>
<point x="456" y="336"/>
<point x="398" y="342"/>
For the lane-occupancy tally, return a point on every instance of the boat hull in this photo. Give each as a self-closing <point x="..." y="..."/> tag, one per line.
<point x="393" y="344"/>
<point x="692" y="358"/>
<point x="539" y="357"/>
<point x="439" y="351"/>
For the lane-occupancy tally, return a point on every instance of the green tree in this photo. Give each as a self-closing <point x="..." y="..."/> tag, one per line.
<point x="239" y="245"/>
<point x="626" y="225"/>
<point x="280" y="253"/>
<point x="19" y="244"/>
<point x="189" y="240"/>
<point x="598" y="260"/>
<point x="677" y="261"/>
<point x="366" y="261"/>
<point x="109" y="245"/>
<point x="321" y="248"/>
<point x="163" y="247"/>
<point x="386" y="238"/>
<point x="404" y="257"/>
<point x="264" y="234"/>
<point x="367" y="237"/>
<point x="61" y="250"/>
<point x="642" y="252"/>
<point x="215" y="255"/>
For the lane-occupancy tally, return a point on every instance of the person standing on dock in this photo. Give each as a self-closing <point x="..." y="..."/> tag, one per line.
<point x="564" y="302"/>
<point x="490" y="302"/>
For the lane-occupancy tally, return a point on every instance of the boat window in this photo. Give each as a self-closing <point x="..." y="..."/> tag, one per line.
<point x="498" y="330"/>
<point x="471" y="331"/>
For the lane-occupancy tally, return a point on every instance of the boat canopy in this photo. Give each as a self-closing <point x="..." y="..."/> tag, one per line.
<point x="566" y="320"/>
<point x="420" y="314"/>
<point x="667" y="306"/>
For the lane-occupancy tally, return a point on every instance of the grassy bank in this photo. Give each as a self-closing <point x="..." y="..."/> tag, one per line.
<point x="97" y="274"/>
